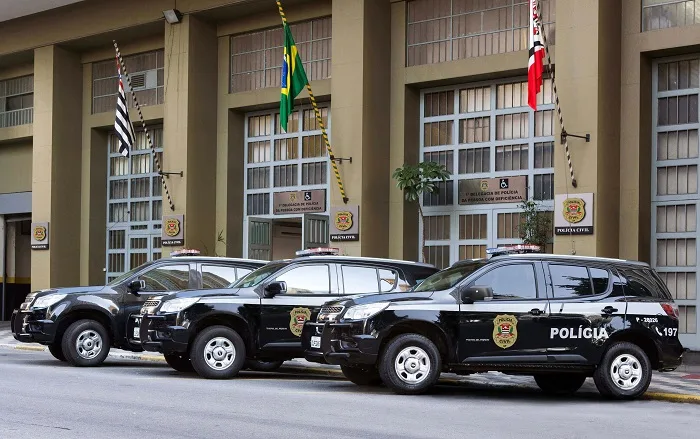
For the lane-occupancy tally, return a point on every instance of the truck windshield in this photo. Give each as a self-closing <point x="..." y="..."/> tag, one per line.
<point x="128" y="274"/>
<point x="449" y="277"/>
<point x="255" y="277"/>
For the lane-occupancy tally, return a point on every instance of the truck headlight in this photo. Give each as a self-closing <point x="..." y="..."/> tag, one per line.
<point x="177" y="305"/>
<point x="361" y="312"/>
<point x="47" y="301"/>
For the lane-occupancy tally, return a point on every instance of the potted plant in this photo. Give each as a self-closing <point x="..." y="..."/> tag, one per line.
<point x="535" y="225"/>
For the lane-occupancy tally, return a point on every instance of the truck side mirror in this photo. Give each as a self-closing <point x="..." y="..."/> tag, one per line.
<point x="274" y="288"/>
<point x="469" y="295"/>
<point x="137" y="285"/>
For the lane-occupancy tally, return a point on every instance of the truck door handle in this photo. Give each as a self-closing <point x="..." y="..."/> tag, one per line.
<point x="609" y="310"/>
<point x="535" y="311"/>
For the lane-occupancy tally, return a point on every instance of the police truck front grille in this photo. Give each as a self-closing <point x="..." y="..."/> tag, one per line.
<point x="151" y="303"/>
<point x="331" y="310"/>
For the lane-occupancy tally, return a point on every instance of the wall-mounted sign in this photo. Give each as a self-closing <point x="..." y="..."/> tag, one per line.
<point x="286" y="203"/>
<point x="573" y="214"/>
<point x="345" y="223"/>
<point x="173" y="230"/>
<point x="40" y="236"/>
<point x="493" y="190"/>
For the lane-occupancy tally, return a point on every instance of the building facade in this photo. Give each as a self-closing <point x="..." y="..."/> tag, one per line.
<point x="396" y="81"/>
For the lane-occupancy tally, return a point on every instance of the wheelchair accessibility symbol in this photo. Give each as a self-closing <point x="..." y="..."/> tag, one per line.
<point x="503" y="183"/>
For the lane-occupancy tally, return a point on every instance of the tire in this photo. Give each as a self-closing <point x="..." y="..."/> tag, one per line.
<point x="624" y="372"/>
<point x="86" y="343"/>
<point x="419" y="351"/>
<point x="263" y="366"/>
<point x="362" y="376"/>
<point x="218" y="352"/>
<point x="57" y="351"/>
<point x="560" y="383"/>
<point x="180" y="363"/>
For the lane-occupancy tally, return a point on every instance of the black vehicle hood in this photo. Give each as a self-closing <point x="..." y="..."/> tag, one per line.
<point x="199" y="293"/>
<point x="66" y="290"/>
<point x="381" y="297"/>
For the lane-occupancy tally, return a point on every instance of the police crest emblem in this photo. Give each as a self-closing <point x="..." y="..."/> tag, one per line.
<point x="343" y="220"/>
<point x="297" y="317"/>
<point x="484" y="185"/>
<point x="39" y="233"/>
<point x="172" y="227"/>
<point x="505" y="330"/>
<point x="292" y="196"/>
<point x="574" y="210"/>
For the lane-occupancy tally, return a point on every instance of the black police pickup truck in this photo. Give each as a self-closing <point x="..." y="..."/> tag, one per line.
<point x="79" y="325"/>
<point x="558" y="318"/>
<point x="259" y="319"/>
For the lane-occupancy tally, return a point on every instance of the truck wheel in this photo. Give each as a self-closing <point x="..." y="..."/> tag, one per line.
<point x="560" y="383"/>
<point x="263" y="366"/>
<point x="180" y="363"/>
<point x="57" y="351"/>
<point x="362" y="376"/>
<point x="410" y="364"/>
<point x="86" y="343"/>
<point x="218" y="352"/>
<point x="624" y="372"/>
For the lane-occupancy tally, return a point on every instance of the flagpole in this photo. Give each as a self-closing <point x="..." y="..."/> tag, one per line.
<point x="556" y="95"/>
<point x="143" y="125"/>
<point x="319" y="119"/>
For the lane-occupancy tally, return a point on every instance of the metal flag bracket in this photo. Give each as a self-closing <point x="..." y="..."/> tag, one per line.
<point x="564" y="135"/>
<point x="341" y="159"/>
<point x="167" y="174"/>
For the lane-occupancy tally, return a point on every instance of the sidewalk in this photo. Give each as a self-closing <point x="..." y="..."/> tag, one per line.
<point x="682" y="385"/>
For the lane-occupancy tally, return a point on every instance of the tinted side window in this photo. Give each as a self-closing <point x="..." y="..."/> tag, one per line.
<point x="217" y="276"/>
<point x="570" y="281"/>
<point x="516" y="281"/>
<point x="387" y="280"/>
<point x="167" y="278"/>
<point x="601" y="279"/>
<point x="641" y="284"/>
<point x="307" y="279"/>
<point x="360" y="280"/>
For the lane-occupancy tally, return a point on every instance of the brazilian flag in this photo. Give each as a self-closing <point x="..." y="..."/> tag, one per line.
<point x="293" y="77"/>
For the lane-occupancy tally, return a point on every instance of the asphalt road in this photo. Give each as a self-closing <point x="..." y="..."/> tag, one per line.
<point x="41" y="397"/>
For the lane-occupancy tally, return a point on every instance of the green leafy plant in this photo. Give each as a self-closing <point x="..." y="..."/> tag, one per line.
<point x="536" y="225"/>
<point x="416" y="180"/>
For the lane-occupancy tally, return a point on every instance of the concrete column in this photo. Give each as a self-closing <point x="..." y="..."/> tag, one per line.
<point x="56" y="165"/>
<point x="360" y="117"/>
<point x="3" y="271"/>
<point x="404" y="147"/>
<point x="190" y="121"/>
<point x="588" y="81"/>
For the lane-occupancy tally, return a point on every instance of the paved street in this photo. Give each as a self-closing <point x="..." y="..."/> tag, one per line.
<point x="126" y="398"/>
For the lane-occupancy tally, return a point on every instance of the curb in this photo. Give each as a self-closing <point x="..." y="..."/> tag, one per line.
<point x="672" y="397"/>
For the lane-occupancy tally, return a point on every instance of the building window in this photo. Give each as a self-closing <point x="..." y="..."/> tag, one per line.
<point x="662" y="14"/>
<point x="134" y="204"/>
<point x="279" y="162"/>
<point x="483" y="131"/>
<point x="447" y="30"/>
<point x="17" y="101"/>
<point x="675" y="194"/>
<point x="146" y="71"/>
<point x="256" y="57"/>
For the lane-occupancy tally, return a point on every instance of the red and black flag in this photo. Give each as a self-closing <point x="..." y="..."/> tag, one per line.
<point x="535" y="65"/>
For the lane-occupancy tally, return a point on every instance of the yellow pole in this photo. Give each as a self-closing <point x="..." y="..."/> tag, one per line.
<point x="319" y="119"/>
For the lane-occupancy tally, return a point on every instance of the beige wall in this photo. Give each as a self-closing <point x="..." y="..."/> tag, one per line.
<point x="638" y="50"/>
<point x="16" y="167"/>
<point x="603" y="76"/>
<point x="56" y="167"/>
